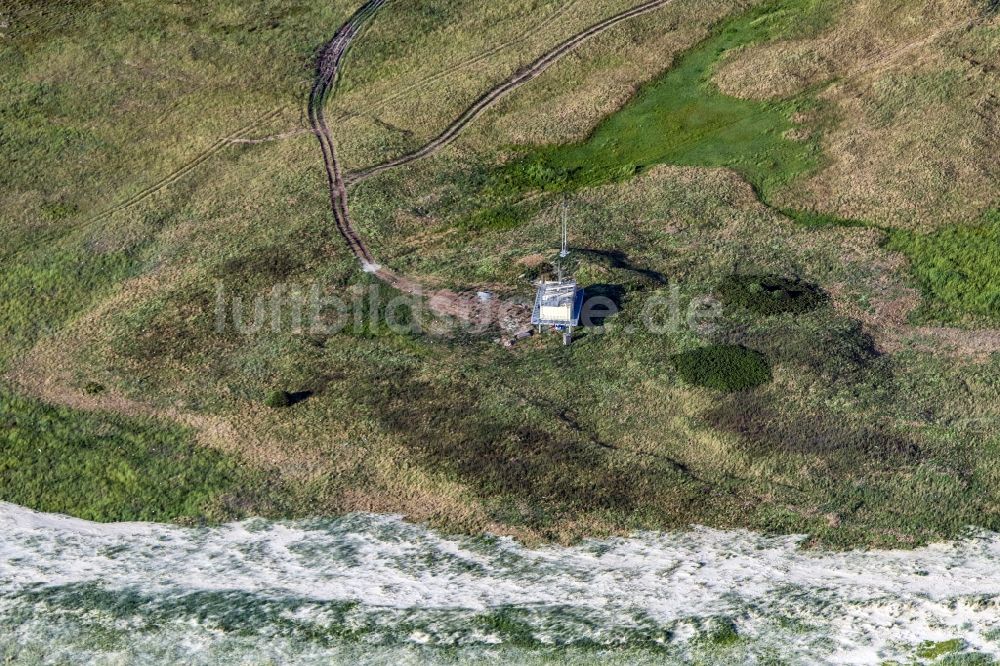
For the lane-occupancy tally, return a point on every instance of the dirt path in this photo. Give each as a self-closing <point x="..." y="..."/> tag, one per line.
<point x="465" y="307"/>
<point x="183" y="170"/>
<point x="512" y="316"/>
<point x="464" y="64"/>
<point x="519" y="78"/>
<point x="327" y="70"/>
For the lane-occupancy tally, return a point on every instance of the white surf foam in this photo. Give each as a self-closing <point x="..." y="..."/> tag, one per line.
<point x="855" y="607"/>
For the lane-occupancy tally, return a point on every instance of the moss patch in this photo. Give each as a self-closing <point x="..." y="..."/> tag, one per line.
<point x="683" y="118"/>
<point x="770" y="294"/>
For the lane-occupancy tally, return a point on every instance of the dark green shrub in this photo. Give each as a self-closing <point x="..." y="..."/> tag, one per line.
<point x="279" y="399"/>
<point x="93" y="388"/>
<point x="723" y="367"/>
<point x="770" y="294"/>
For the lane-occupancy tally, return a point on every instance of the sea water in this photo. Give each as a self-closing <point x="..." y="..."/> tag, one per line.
<point x="376" y="589"/>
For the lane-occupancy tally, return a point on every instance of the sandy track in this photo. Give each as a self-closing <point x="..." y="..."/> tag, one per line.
<point x="511" y="316"/>
<point x="518" y="79"/>
<point x="464" y="64"/>
<point x="182" y="171"/>
<point x="327" y="69"/>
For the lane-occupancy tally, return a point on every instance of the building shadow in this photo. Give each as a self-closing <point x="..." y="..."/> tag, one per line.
<point x="299" y="396"/>
<point x="601" y="301"/>
<point x="618" y="259"/>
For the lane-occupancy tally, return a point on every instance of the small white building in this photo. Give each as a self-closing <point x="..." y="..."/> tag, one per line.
<point x="558" y="304"/>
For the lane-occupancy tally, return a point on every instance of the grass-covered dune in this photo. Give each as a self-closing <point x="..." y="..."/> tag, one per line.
<point x="102" y="467"/>
<point x="159" y="163"/>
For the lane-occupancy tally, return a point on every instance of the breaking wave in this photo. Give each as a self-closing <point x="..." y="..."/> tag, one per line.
<point x="376" y="589"/>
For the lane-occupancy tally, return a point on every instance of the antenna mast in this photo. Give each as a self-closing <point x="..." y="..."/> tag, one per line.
<point x="564" y="252"/>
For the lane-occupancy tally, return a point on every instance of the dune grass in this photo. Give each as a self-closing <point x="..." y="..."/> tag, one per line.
<point x="107" y="468"/>
<point x="845" y="442"/>
<point x="957" y="269"/>
<point x="101" y="102"/>
<point x="92" y="115"/>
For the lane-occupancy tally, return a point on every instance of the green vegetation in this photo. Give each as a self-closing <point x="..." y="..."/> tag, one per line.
<point x="510" y="624"/>
<point x="932" y="650"/>
<point x="682" y="118"/>
<point x="41" y="289"/>
<point x="957" y="269"/>
<point x="952" y="652"/>
<point x="815" y="219"/>
<point x="848" y="441"/>
<point x="102" y="101"/>
<point x="767" y="295"/>
<point x="722" y="634"/>
<point x="723" y="367"/>
<point x="111" y="468"/>
<point x="278" y="399"/>
<point x="968" y="659"/>
<point x="499" y="218"/>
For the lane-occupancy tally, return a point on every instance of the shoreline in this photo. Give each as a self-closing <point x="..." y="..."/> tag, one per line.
<point x="331" y="587"/>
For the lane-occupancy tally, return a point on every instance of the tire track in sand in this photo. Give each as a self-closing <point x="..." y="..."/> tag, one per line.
<point x="183" y="170"/>
<point x="464" y="64"/>
<point x="511" y="315"/>
<point x="519" y="78"/>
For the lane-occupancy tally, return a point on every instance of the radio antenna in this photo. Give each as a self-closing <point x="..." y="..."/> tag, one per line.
<point x="564" y="252"/>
